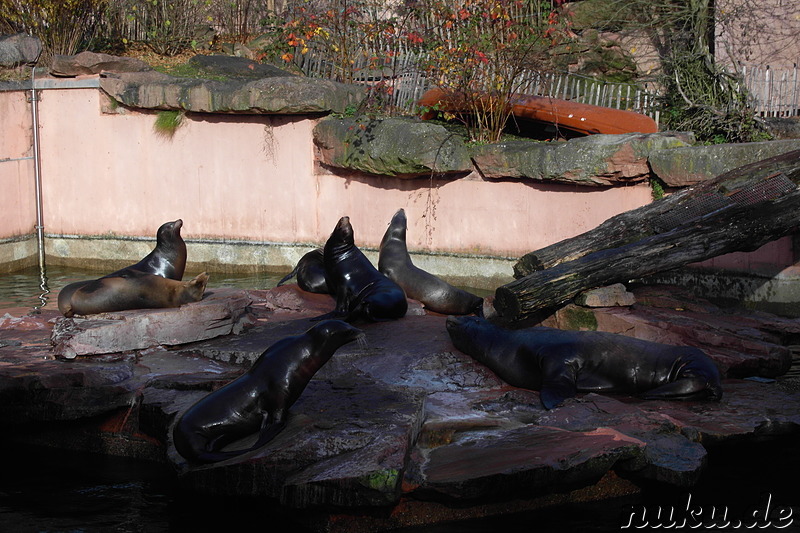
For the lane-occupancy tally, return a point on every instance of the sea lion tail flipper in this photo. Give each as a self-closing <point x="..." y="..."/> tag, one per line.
<point x="685" y="388"/>
<point x="288" y="276"/>
<point x="268" y="432"/>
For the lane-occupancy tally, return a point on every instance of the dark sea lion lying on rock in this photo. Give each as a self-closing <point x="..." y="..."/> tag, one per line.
<point x="561" y="363"/>
<point x="434" y="293"/>
<point x="361" y="291"/>
<point x="259" y="400"/>
<point x="310" y="272"/>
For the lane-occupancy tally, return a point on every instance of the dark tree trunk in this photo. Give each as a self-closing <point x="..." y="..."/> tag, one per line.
<point x="740" y="210"/>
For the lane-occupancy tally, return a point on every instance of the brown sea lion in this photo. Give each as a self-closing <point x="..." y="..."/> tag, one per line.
<point x="167" y="259"/>
<point x="434" y="293"/>
<point x="132" y="290"/>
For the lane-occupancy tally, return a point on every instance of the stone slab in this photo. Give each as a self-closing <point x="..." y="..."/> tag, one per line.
<point x="685" y="166"/>
<point x="86" y="63"/>
<point x="595" y="160"/>
<point x="220" y="312"/>
<point x="401" y="147"/>
<point x="615" y="295"/>
<point x="403" y="418"/>
<point x="284" y="95"/>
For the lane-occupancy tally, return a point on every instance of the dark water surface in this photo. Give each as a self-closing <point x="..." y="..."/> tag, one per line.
<point x="45" y="490"/>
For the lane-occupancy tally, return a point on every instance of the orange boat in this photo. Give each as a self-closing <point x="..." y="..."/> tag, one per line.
<point x="586" y="119"/>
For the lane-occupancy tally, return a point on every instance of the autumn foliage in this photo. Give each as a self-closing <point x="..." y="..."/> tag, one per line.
<point x="475" y="50"/>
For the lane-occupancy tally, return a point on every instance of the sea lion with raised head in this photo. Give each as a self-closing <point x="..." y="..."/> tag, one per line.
<point x="259" y="400"/>
<point x="561" y="363"/>
<point x="361" y="291"/>
<point x="131" y="290"/>
<point x="434" y="293"/>
<point x="167" y="259"/>
<point x="310" y="272"/>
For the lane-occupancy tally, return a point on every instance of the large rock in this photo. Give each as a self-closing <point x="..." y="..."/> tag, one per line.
<point x="390" y="147"/>
<point x="236" y="67"/>
<point x="741" y="344"/>
<point x="219" y="313"/>
<point x="19" y="49"/>
<point x="273" y="95"/>
<point x="86" y="63"/>
<point x="596" y="160"/>
<point x="399" y="423"/>
<point x="685" y="166"/>
<point x="783" y="127"/>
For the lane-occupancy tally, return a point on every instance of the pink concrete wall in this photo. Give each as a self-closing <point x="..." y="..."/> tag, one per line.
<point x="766" y="261"/>
<point x="246" y="177"/>
<point x="472" y="215"/>
<point x="17" y="188"/>
<point x="253" y="178"/>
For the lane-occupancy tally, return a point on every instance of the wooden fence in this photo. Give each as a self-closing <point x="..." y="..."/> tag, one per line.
<point x="775" y="92"/>
<point x="408" y="83"/>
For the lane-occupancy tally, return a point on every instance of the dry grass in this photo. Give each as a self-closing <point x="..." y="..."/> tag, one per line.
<point x="163" y="63"/>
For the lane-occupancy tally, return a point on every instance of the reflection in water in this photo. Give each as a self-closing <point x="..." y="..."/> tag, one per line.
<point x="35" y="288"/>
<point x="44" y="489"/>
<point x="44" y="289"/>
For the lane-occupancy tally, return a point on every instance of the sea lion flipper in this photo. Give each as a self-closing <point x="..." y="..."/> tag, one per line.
<point x="559" y="383"/>
<point x="288" y="276"/>
<point x="687" y="388"/>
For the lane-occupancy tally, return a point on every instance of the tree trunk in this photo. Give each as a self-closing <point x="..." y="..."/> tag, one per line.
<point x="740" y="210"/>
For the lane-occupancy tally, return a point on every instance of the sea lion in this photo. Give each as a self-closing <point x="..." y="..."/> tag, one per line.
<point x="310" y="272"/>
<point x="361" y="291"/>
<point x="561" y="363"/>
<point x="167" y="259"/>
<point x="434" y="293"/>
<point x="259" y="400"/>
<point x="131" y="290"/>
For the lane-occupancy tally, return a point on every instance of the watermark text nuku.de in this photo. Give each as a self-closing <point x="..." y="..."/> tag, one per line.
<point x="767" y="514"/>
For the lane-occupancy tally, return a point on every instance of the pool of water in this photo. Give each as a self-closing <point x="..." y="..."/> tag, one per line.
<point x="28" y="288"/>
<point x="45" y="490"/>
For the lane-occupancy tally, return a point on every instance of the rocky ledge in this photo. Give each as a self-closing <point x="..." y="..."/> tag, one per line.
<point x="406" y="421"/>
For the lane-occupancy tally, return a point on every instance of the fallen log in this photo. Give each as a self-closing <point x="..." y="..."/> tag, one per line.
<point x="740" y="210"/>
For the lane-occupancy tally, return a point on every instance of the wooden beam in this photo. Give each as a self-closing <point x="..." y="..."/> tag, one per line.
<point x="740" y="210"/>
